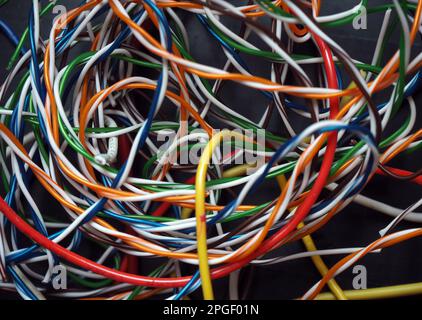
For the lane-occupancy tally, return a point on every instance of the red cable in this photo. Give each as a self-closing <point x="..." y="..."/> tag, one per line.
<point x="319" y="184"/>
<point x="219" y="272"/>
<point x="161" y="209"/>
<point x="401" y="172"/>
<point x="83" y="262"/>
<point x="124" y="148"/>
<point x="304" y="208"/>
<point x="166" y="205"/>
<point x="116" y="275"/>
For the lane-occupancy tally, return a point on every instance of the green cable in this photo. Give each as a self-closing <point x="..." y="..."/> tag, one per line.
<point x="24" y="36"/>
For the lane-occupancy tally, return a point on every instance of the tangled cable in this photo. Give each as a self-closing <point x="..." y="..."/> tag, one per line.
<point x="115" y="119"/>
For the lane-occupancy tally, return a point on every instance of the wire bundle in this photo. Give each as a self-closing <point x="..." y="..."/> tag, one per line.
<point x="84" y="122"/>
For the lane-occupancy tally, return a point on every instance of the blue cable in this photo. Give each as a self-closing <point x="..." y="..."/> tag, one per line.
<point x="185" y="289"/>
<point x="11" y="35"/>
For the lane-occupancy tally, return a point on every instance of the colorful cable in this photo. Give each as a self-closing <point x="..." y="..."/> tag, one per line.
<point x="119" y="123"/>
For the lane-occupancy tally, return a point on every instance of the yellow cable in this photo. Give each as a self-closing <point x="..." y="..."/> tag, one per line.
<point x="317" y="260"/>
<point x="346" y="99"/>
<point x="186" y="213"/>
<point x="322" y="268"/>
<point x="309" y="243"/>
<point x="237" y="171"/>
<point x="230" y="173"/>
<point x="201" y="225"/>
<point x="377" y="293"/>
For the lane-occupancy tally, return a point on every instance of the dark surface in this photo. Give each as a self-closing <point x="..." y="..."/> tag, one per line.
<point x="355" y="226"/>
